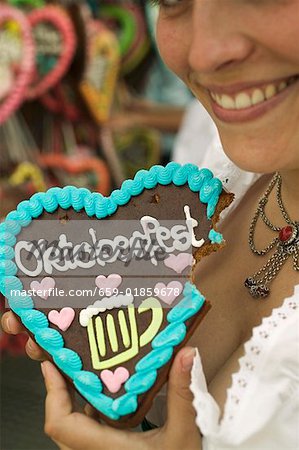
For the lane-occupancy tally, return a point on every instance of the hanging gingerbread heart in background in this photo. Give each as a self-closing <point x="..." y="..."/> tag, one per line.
<point x="17" y="53"/>
<point x="78" y="165"/>
<point x="69" y="156"/>
<point x="141" y="44"/>
<point x="128" y="22"/>
<point x="55" y="40"/>
<point x="28" y="171"/>
<point x="138" y="147"/>
<point x="64" y="100"/>
<point x="99" y="80"/>
<point x="27" y="3"/>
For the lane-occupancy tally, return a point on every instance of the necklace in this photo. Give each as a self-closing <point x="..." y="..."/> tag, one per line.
<point x="286" y="242"/>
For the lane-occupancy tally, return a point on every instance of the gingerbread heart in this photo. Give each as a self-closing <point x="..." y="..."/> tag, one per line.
<point x="17" y="53"/>
<point x="129" y="25"/>
<point x="118" y="349"/>
<point x="55" y="42"/>
<point x="97" y="86"/>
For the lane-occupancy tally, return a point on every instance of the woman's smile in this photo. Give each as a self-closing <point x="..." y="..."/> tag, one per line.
<point x="244" y="72"/>
<point x="247" y="101"/>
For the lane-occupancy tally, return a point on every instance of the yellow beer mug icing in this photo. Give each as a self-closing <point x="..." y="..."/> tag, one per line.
<point x="130" y="338"/>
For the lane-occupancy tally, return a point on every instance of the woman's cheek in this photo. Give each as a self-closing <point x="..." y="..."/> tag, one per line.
<point x="173" y="47"/>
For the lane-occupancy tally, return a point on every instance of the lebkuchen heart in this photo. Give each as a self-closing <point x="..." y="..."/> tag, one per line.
<point x="104" y="284"/>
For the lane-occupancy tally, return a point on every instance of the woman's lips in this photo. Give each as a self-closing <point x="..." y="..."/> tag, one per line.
<point x="254" y="111"/>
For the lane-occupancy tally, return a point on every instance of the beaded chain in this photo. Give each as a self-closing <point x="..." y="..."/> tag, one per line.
<point x="286" y="243"/>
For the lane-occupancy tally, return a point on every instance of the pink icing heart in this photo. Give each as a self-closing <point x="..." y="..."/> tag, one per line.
<point x="107" y="284"/>
<point x="113" y="381"/>
<point x="168" y="293"/>
<point x="62" y="318"/>
<point x="179" y="262"/>
<point x="44" y="287"/>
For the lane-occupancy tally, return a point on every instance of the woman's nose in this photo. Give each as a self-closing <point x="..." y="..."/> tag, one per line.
<point x="218" y="39"/>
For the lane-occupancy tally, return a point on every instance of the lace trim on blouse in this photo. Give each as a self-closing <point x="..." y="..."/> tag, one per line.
<point x="253" y="354"/>
<point x="208" y="412"/>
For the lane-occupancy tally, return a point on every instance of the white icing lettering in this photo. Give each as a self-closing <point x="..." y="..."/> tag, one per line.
<point x="150" y="244"/>
<point x="192" y="223"/>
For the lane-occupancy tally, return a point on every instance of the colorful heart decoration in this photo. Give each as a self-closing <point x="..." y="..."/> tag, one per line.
<point x="80" y="165"/>
<point x="179" y="262"/>
<point x="117" y="349"/>
<point x="138" y="147"/>
<point x="168" y="293"/>
<point x="26" y="3"/>
<point x="55" y="42"/>
<point x="17" y="73"/>
<point x="113" y="381"/>
<point x="44" y="287"/>
<point x="108" y="283"/>
<point x="62" y="318"/>
<point x="98" y="84"/>
<point x="129" y="24"/>
<point x="64" y="100"/>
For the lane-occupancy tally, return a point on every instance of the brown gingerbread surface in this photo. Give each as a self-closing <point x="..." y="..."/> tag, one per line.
<point x="164" y="203"/>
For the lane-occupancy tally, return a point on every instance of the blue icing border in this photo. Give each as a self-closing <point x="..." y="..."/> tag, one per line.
<point x="198" y="180"/>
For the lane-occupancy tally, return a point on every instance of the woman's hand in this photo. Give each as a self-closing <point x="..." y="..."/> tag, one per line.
<point x="75" y="431"/>
<point x="12" y="325"/>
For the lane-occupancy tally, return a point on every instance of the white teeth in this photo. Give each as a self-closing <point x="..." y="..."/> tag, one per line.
<point x="282" y="86"/>
<point x="243" y="101"/>
<point x="218" y="99"/>
<point x="257" y="97"/>
<point x="270" y="91"/>
<point x="228" y="102"/>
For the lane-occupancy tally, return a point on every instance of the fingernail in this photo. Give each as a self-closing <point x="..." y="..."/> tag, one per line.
<point x="29" y="344"/>
<point x="8" y="324"/>
<point x="43" y="369"/>
<point x="187" y="360"/>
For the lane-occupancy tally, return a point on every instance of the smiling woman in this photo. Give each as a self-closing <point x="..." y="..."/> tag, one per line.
<point x="240" y="58"/>
<point x="241" y="61"/>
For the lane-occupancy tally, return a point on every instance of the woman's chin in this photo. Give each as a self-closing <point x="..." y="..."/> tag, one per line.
<point x="257" y="161"/>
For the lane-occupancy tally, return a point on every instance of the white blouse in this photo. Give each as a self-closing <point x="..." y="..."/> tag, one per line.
<point x="262" y="405"/>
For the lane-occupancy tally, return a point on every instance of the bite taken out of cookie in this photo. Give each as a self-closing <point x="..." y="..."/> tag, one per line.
<point x="104" y="285"/>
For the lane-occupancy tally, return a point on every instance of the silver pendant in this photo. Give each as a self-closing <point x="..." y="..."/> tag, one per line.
<point x="288" y="245"/>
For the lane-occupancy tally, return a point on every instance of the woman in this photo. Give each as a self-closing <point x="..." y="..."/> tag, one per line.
<point x="241" y="60"/>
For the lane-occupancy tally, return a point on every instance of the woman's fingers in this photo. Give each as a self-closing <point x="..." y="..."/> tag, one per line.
<point x="181" y="426"/>
<point x="34" y="351"/>
<point x="56" y="390"/>
<point x="11" y="324"/>
<point x="91" y="412"/>
<point x="75" y="430"/>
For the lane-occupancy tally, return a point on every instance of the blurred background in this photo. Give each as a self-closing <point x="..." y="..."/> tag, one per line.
<point x="85" y="100"/>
